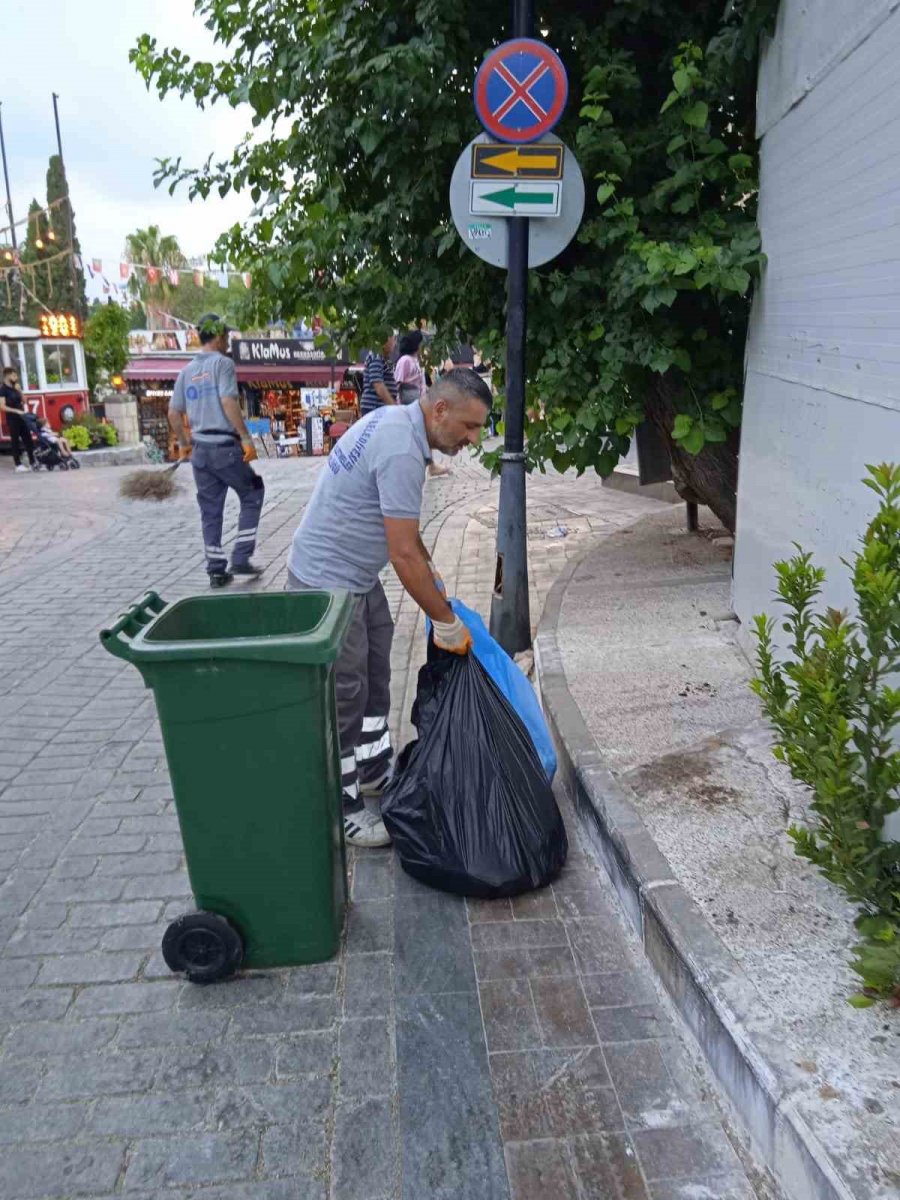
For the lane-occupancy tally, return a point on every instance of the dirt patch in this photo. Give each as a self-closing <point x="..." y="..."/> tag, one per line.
<point x="684" y="775"/>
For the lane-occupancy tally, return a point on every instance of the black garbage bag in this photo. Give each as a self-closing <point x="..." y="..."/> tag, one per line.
<point x="470" y="809"/>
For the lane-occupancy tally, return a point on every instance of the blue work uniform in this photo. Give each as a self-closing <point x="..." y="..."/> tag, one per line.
<point x="217" y="457"/>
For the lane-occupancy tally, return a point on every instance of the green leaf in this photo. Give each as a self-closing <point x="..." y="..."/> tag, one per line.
<point x="671" y="99"/>
<point x="591" y="111"/>
<point x="858" y="1000"/>
<point x="676" y="143"/>
<point x="681" y="80"/>
<point x="697" y="115"/>
<point x="694" y="441"/>
<point x="604" y="192"/>
<point x="684" y="423"/>
<point x="740" y="162"/>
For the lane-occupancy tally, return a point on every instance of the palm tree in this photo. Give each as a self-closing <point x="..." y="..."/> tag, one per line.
<point x="146" y="248"/>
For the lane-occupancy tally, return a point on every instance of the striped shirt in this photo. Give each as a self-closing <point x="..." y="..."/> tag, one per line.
<point x="376" y="370"/>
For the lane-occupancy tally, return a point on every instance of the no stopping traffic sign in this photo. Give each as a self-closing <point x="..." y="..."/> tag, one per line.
<point x="521" y="90"/>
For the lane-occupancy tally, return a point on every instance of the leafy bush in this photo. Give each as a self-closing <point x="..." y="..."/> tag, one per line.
<point x="77" y="437"/>
<point x="109" y="434"/>
<point x="836" y="714"/>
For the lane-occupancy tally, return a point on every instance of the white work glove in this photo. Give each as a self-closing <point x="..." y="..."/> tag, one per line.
<point x="452" y="636"/>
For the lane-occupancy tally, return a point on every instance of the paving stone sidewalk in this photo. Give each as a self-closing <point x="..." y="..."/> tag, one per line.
<point x="452" y="1051"/>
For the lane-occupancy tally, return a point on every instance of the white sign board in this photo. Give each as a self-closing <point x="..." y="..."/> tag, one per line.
<point x="514" y="199"/>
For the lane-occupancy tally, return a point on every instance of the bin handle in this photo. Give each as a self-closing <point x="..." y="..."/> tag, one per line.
<point x="117" y="640"/>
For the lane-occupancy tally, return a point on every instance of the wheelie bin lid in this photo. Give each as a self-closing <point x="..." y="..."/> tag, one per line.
<point x="289" y="627"/>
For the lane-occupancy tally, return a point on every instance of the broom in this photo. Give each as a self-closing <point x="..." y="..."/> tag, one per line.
<point x="150" y="485"/>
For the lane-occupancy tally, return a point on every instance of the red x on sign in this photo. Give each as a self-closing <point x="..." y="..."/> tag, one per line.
<point x="520" y="90"/>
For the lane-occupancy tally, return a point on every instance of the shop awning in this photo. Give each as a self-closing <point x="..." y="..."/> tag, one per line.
<point x="312" y="374"/>
<point x="152" y="367"/>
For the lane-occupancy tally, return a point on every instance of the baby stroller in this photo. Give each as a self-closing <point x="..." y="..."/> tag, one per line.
<point x="47" y="452"/>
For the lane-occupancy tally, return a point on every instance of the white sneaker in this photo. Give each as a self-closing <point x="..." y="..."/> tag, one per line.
<point x="365" y="829"/>
<point x="22" y="467"/>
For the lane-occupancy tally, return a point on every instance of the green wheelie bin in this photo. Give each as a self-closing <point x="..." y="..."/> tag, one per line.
<point x="244" y="688"/>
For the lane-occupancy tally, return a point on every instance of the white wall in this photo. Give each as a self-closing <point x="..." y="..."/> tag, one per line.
<point x="822" y="395"/>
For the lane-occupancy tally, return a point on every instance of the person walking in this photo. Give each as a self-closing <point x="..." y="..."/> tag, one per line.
<point x="410" y="379"/>
<point x="220" y="449"/>
<point x="363" y="514"/>
<point x="379" y="385"/>
<point x="12" y="405"/>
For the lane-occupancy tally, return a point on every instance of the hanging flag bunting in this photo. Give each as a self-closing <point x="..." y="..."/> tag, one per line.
<point x="248" y="279"/>
<point x="174" y="277"/>
<point x="124" y="270"/>
<point x="90" y="270"/>
<point x="153" y="274"/>
<point x="198" y="278"/>
<point x="97" y="264"/>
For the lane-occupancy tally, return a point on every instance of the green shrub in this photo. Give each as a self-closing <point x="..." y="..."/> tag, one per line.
<point x="109" y="434"/>
<point x="77" y="437"/>
<point x="835" y="710"/>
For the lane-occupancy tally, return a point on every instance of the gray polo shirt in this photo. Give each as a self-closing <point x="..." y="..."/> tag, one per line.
<point x="376" y="470"/>
<point x="198" y="391"/>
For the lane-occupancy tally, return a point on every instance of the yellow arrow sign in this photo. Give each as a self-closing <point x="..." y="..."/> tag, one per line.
<point x="497" y="161"/>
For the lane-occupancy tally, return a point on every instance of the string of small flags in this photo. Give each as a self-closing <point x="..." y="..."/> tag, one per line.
<point x="172" y="275"/>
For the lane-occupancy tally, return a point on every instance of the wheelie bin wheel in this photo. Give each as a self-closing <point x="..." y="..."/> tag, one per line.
<point x="204" y="945"/>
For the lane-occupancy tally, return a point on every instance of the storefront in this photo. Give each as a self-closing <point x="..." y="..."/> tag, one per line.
<point x="286" y="387"/>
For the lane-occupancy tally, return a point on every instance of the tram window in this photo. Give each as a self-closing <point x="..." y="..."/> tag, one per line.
<point x="59" y="365"/>
<point x="31" y="367"/>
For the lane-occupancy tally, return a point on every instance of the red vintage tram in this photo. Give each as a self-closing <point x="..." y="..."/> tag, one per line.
<point x="51" y="367"/>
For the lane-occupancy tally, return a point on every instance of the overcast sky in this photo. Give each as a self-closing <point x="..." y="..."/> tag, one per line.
<point x="112" y="127"/>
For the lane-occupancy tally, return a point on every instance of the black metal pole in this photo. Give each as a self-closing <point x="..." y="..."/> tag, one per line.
<point x="16" y="274"/>
<point x="510" y="611"/>
<point x="9" y="207"/>
<point x="72" y="268"/>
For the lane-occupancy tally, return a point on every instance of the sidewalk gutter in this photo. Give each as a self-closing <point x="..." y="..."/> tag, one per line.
<point x="707" y="985"/>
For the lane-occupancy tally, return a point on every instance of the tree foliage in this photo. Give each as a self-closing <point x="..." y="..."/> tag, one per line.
<point x="66" y="286"/>
<point x="148" y="248"/>
<point x="835" y="708"/>
<point x="359" y="113"/>
<point x="45" y="256"/>
<point x="185" y="299"/>
<point x="106" y="340"/>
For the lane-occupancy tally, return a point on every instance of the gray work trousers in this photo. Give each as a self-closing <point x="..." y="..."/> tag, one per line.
<point x="362" y="680"/>
<point x="216" y="469"/>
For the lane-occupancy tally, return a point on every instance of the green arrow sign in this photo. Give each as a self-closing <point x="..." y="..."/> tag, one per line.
<point x="511" y="196"/>
<point x="521" y="198"/>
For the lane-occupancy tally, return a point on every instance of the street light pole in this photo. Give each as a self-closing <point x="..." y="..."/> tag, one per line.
<point x="510" y="613"/>
<point x="16" y="273"/>
<point x="62" y="163"/>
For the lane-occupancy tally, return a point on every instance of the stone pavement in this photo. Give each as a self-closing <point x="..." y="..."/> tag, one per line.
<point x="452" y="1051"/>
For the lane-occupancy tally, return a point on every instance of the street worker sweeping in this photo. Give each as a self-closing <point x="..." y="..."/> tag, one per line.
<point x="364" y="513"/>
<point x="220" y="449"/>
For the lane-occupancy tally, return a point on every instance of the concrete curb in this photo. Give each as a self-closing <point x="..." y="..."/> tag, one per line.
<point x="114" y="456"/>
<point x="707" y="985"/>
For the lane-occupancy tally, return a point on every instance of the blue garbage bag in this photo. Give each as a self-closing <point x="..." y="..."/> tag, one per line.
<point x="512" y="683"/>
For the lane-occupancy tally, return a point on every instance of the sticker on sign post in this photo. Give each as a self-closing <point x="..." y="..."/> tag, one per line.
<point x="516" y="199"/>
<point x="521" y="90"/>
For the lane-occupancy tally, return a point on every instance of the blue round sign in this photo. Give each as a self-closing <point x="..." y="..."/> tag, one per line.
<point x="521" y="90"/>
